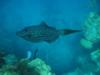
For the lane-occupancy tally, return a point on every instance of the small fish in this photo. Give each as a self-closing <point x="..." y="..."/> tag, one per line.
<point x="32" y="55"/>
<point x="29" y="54"/>
<point x="43" y="32"/>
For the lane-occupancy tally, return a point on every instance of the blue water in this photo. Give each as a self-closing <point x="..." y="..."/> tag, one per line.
<point x="61" y="54"/>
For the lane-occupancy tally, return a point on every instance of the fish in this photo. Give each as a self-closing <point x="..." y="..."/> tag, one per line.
<point x="29" y="54"/>
<point x="32" y="55"/>
<point x="43" y="32"/>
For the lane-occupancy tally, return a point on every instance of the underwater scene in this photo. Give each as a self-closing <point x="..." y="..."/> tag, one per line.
<point x="49" y="37"/>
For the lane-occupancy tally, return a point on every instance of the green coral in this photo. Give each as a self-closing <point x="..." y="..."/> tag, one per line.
<point x="24" y="69"/>
<point x="27" y="67"/>
<point x="91" y="30"/>
<point x="41" y="67"/>
<point x="86" y="43"/>
<point x="95" y="56"/>
<point x="8" y="70"/>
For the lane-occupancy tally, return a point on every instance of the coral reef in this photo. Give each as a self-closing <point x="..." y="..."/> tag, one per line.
<point x="10" y="59"/>
<point x="95" y="56"/>
<point x="34" y="67"/>
<point x="26" y="67"/>
<point x="87" y="65"/>
<point x="10" y="64"/>
<point x="91" y="30"/>
<point x="41" y="67"/>
<point x="8" y="70"/>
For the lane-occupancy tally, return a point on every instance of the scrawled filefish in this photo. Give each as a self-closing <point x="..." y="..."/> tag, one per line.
<point x="43" y="32"/>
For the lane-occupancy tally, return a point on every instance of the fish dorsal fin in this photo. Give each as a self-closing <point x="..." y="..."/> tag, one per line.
<point x="43" y="24"/>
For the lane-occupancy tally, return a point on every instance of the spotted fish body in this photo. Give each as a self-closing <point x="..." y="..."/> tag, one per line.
<point x="42" y="32"/>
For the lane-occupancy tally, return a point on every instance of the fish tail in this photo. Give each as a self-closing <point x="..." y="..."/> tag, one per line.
<point x="68" y="31"/>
